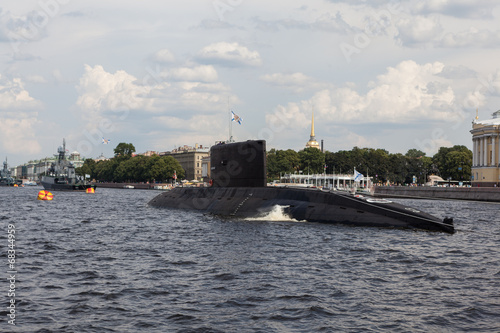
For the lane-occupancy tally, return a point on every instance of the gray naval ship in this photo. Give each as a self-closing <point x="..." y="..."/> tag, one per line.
<point x="238" y="189"/>
<point x="5" y="176"/>
<point x="61" y="175"/>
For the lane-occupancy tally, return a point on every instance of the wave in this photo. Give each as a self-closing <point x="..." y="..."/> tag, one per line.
<point x="276" y="214"/>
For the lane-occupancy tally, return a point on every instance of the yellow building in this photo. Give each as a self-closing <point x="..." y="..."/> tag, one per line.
<point x="312" y="143"/>
<point x="486" y="151"/>
<point x="190" y="158"/>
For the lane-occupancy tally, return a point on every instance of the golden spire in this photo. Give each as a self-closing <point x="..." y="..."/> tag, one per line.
<point x="477" y="113"/>
<point x="312" y="140"/>
<point x="312" y="126"/>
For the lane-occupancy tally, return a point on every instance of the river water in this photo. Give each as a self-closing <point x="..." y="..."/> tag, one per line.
<point x="107" y="262"/>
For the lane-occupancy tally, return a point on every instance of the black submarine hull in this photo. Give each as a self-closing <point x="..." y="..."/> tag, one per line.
<point x="238" y="178"/>
<point x="312" y="205"/>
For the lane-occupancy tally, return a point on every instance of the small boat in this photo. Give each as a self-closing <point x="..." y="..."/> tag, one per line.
<point x="61" y="175"/>
<point x="5" y="177"/>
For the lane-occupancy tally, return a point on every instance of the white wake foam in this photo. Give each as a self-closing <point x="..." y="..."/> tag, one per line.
<point x="276" y="214"/>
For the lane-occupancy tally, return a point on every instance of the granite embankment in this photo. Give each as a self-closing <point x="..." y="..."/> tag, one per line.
<point x="140" y="186"/>
<point x="491" y="194"/>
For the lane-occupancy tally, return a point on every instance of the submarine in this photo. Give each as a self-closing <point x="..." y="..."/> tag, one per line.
<point x="238" y="188"/>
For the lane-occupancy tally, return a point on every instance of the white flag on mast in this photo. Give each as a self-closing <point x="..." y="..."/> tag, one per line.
<point x="235" y="117"/>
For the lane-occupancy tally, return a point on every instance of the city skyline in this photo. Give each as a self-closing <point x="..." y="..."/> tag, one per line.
<point x="397" y="76"/>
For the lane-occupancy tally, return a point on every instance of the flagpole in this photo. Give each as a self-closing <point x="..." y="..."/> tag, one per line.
<point x="230" y="122"/>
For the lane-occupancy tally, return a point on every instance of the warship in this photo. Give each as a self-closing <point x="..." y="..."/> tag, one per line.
<point x="5" y="176"/>
<point x="238" y="188"/>
<point x="61" y="175"/>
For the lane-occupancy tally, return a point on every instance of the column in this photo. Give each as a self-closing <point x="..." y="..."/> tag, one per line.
<point x="474" y="151"/>
<point x="493" y="151"/>
<point x="479" y="161"/>
<point x="480" y="143"/>
<point x="479" y="151"/>
<point x="498" y="152"/>
<point x="485" y="145"/>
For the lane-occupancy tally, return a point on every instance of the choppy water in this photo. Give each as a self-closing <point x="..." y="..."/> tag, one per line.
<point x="106" y="262"/>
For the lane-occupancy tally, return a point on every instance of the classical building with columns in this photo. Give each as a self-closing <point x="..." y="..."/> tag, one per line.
<point x="486" y="151"/>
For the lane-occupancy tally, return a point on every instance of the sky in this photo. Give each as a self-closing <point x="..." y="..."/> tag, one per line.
<point x="162" y="74"/>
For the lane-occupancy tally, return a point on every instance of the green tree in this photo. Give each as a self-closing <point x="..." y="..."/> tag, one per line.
<point x="398" y="169"/>
<point x="414" y="153"/>
<point x="105" y="170"/>
<point x="312" y="160"/>
<point x="88" y="168"/>
<point x="162" y="168"/>
<point x="132" y="169"/>
<point x="459" y="164"/>
<point x="377" y="164"/>
<point x="339" y="162"/>
<point x="124" y="149"/>
<point x="448" y="166"/>
<point x="281" y="162"/>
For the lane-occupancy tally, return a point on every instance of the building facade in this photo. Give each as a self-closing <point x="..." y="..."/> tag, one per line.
<point x="205" y="168"/>
<point x="33" y="169"/>
<point x="486" y="151"/>
<point x="190" y="158"/>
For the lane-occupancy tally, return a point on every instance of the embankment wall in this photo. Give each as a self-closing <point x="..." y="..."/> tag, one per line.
<point x="491" y="194"/>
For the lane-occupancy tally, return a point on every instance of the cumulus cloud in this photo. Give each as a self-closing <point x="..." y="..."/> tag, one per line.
<point x="18" y="134"/>
<point x="13" y="95"/>
<point x="101" y="91"/>
<point x="482" y="89"/>
<point x="457" y="72"/>
<point x="326" y="22"/>
<point x="175" y="93"/>
<point x="18" y="117"/>
<point x="406" y="93"/>
<point x="473" y="9"/>
<point x="229" y="54"/>
<point x="204" y="73"/>
<point x="25" y="28"/>
<point x="296" y="82"/>
<point x="471" y="38"/>
<point x="418" y="30"/>
<point x="163" y="56"/>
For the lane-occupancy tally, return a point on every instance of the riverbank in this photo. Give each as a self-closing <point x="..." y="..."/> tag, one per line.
<point x="139" y="186"/>
<point x="489" y="194"/>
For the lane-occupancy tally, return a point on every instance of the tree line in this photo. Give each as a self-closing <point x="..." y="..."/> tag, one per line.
<point x="449" y="163"/>
<point x="124" y="167"/>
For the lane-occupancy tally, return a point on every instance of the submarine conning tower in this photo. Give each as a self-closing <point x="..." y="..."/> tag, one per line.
<point x="239" y="164"/>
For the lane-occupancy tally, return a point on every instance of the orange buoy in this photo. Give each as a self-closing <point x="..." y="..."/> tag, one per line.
<point x="90" y="190"/>
<point x="45" y="195"/>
